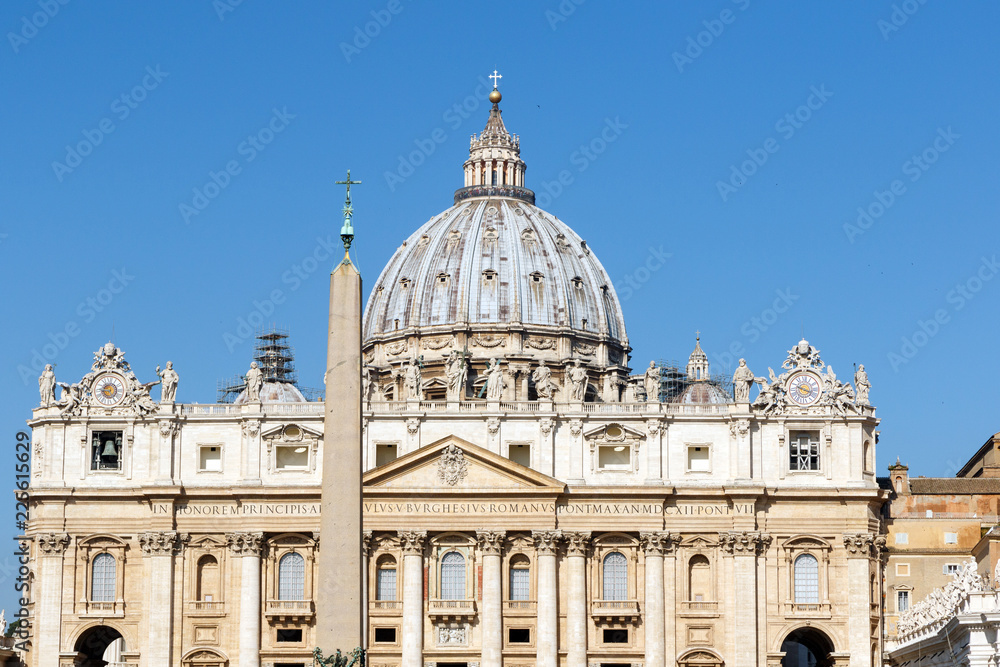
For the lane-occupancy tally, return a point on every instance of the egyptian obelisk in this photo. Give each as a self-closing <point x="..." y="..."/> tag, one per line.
<point x="341" y="597"/>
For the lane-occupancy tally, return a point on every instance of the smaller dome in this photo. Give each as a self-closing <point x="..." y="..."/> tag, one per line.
<point x="275" y="392"/>
<point x="702" y="393"/>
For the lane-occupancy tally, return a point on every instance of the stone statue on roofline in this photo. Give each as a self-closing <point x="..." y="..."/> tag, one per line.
<point x="743" y="379"/>
<point x="47" y="386"/>
<point x="651" y="383"/>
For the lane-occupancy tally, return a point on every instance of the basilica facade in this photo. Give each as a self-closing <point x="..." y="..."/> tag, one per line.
<point x="527" y="499"/>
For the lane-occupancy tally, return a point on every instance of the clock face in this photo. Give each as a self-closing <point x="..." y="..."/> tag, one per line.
<point x="804" y="389"/>
<point x="109" y="390"/>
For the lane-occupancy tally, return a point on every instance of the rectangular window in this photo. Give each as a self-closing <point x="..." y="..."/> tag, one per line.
<point x="519" y="577"/>
<point x="952" y="568"/>
<point x="210" y="458"/>
<point x="386" y="584"/>
<point x="289" y="635"/>
<point x="902" y="601"/>
<point x="385" y="635"/>
<point x="616" y="636"/>
<point x="699" y="459"/>
<point x="614" y="457"/>
<point x="106" y="450"/>
<point x="803" y="451"/>
<point x="902" y="538"/>
<point x="951" y="538"/>
<point x="902" y="569"/>
<point x="385" y="453"/>
<point x="518" y="636"/>
<point x="291" y="457"/>
<point x="520" y="453"/>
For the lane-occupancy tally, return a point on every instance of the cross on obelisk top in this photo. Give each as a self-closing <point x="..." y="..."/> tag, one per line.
<point x="347" y="231"/>
<point x="496" y="78"/>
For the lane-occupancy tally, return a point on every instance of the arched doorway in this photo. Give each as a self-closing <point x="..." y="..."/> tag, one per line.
<point x="807" y="647"/>
<point x="100" y="645"/>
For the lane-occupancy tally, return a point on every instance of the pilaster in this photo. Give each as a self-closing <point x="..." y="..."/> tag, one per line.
<point x="158" y="550"/>
<point x="248" y="548"/>
<point x="547" y="644"/>
<point x="577" y="549"/>
<point x="50" y="548"/>
<point x="412" y="543"/>
<point x="859" y="547"/>
<point x="490" y="547"/>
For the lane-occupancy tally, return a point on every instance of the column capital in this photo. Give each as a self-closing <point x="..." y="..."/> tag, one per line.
<point x="245" y="544"/>
<point x="577" y="543"/>
<point x="744" y="543"/>
<point x="546" y="541"/>
<point x="162" y="543"/>
<point x="657" y="543"/>
<point x="412" y="541"/>
<point x="52" y="544"/>
<point x="367" y="543"/>
<point x="491" y="541"/>
<point x="860" y="545"/>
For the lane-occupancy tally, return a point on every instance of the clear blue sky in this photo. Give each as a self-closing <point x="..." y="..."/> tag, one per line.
<point x="682" y="116"/>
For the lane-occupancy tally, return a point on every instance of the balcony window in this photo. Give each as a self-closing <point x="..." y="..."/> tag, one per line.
<point x="103" y="578"/>
<point x="520" y="578"/>
<point x="615" y="576"/>
<point x="385" y="585"/>
<point x="806" y="579"/>
<point x="291" y="577"/>
<point x="453" y="576"/>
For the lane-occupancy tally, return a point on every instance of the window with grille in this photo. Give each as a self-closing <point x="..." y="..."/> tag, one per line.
<point x="615" y="576"/>
<point x="453" y="576"/>
<point x="103" y="584"/>
<point x="806" y="579"/>
<point x="804" y="452"/>
<point x="519" y="580"/>
<point x="291" y="577"/>
<point x="385" y="588"/>
<point x="902" y="601"/>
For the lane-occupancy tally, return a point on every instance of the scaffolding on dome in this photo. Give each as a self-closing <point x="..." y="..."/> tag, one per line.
<point x="276" y="360"/>
<point x="674" y="380"/>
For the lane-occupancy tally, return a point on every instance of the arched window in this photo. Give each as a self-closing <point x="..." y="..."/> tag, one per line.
<point x="291" y="577"/>
<point x="520" y="578"/>
<point x="699" y="579"/>
<point x="806" y="579"/>
<point x="208" y="579"/>
<point x="385" y="579"/>
<point x="615" y="576"/>
<point x="103" y="582"/>
<point x="453" y="576"/>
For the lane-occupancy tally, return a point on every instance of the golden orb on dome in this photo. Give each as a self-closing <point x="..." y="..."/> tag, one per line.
<point x="495" y="96"/>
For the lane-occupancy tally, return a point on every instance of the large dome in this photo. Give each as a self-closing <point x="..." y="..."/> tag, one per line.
<point x="494" y="277"/>
<point x="494" y="261"/>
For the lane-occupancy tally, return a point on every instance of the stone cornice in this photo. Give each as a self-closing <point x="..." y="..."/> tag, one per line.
<point x="490" y="541"/>
<point x="245" y="544"/>
<point x="744" y="543"/>
<point x="546" y="541"/>
<point x="412" y="541"/>
<point x="52" y="544"/>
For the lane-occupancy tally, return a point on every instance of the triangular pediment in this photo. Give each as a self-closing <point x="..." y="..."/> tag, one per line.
<point x="456" y="464"/>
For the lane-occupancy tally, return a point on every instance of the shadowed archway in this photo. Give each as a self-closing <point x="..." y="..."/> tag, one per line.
<point x="807" y="647"/>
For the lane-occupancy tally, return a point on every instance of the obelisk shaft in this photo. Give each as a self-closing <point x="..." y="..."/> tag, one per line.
<point x="341" y="596"/>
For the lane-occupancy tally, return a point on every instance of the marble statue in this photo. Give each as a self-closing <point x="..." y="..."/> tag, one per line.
<point x="168" y="391"/>
<point x="70" y="397"/>
<point x="862" y="385"/>
<point x="47" y="386"/>
<point x="494" y="381"/>
<point x="457" y="374"/>
<point x="578" y="381"/>
<point x="743" y="379"/>
<point x="769" y="398"/>
<point x="651" y="382"/>
<point x="413" y="381"/>
<point x="141" y="399"/>
<point x="366" y="383"/>
<point x="542" y="377"/>
<point x="255" y="380"/>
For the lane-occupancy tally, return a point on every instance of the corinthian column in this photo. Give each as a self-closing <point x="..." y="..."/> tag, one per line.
<point x="412" y="542"/>
<point x="50" y="548"/>
<point x="859" y="549"/>
<point x="577" y="546"/>
<point x="654" y="546"/>
<point x="490" y="545"/>
<point x="547" y="644"/>
<point x="744" y="547"/>
<point x="247" y="547"/>
<point x="158" y="551"/>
